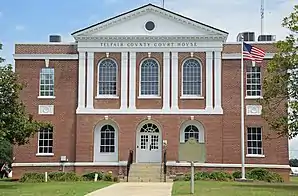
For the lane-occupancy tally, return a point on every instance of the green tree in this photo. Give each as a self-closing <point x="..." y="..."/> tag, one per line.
<point x="281" y="83"/>
<point x="293" y="162"/>
<point x="16" y="126"/>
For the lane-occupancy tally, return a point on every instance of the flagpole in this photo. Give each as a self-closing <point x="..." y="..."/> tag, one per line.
<point x="242" y="114"/>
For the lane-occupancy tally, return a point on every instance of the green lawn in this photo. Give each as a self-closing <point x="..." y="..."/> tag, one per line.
<point x="205" y="188"/>
<point x="49" y="189"/>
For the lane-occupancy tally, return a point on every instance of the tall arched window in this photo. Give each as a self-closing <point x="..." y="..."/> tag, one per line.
<point x="149" y="78"/>
<point x="191" y="79"/>
<point x="107" y="139"/>
<point x="191" y="131"/>
<point x="107" y="77"/>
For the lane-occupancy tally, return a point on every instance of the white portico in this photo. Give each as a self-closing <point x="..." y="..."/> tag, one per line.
<point x="149" y="29"/>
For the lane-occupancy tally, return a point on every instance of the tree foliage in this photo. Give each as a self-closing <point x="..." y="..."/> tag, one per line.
<point x="281" y="83"/>
<point x="16" y="126"/>
<point x="293" y="162"/>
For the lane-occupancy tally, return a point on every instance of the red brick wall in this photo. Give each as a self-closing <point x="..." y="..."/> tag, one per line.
<point x="65" y="105"/>
<point x="45" y="49"/>
<point x="276" y="149"/>
<point x="236" y="48"/>
<point x="128" y="129"/>
<point x="73" y="135"/>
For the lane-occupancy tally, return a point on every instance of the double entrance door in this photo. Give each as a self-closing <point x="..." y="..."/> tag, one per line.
<point x="149" y="147"/>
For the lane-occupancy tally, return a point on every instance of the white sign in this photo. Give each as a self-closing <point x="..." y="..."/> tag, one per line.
<point x="148" y="44"/>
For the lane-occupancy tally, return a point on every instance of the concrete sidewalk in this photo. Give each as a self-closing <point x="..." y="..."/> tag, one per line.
<point x="135" y="189"/>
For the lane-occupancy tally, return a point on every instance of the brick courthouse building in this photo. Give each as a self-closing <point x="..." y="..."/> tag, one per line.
<point x="135" y="82"/>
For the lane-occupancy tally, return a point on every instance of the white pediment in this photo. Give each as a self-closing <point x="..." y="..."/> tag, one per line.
<point x="166" y="24"/>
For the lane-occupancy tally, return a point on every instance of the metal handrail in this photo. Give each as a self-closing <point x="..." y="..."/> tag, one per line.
<point x="165" y="165"/>
<point x="129" y="162"/>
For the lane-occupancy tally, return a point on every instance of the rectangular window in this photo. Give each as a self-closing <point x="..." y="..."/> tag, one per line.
<point x="46" y="85"/>
<point x="253" y="81"/>
<point x="254" y="141"/>
<point x="45" y="141"/>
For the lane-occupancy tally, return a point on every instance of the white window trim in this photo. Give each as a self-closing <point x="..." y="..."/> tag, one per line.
<point x="191" y="97"/>
<point x="104" y="156"/>
<point x="253" y="96"/>
<point x="254" y="155"/>
<point x="140" y="72"/>
<point x="44" y="154"/>
<point x="45" y="97"/>
<point x="99" y="96"/>
<point x="195" y="123"/>
<point x="201" y="85"/>
<point x="107" y="97"/>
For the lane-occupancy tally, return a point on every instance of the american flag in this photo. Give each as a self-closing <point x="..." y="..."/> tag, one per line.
<point x="252" y="53"/>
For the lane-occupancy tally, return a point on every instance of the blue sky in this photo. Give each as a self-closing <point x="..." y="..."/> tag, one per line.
<point x="31" y="21"/>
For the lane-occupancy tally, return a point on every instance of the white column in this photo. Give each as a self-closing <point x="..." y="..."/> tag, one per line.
<point x="124" y="78"/>
<point x="217" y="81"/>
<point x="209" y="81"/>
<point x="90" y="79"/>
<point x="175" y="82"/>
<point x="81" y="82"/>
<point x="132" y="80"/>
<point x="166" y="81"/>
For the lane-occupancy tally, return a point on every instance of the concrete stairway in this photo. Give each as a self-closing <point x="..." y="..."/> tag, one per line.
<point x="140" y="172"/>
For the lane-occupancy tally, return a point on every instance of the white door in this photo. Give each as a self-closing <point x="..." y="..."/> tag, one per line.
<point x="149" y="145"/>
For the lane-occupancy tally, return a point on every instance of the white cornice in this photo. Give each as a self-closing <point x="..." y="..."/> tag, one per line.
<point x="146" y="111"/>
<point x="151" y="38"/>
<point x="236" y="56"/>
<point x="45" y="56"/>
<point x="149" y="9"/>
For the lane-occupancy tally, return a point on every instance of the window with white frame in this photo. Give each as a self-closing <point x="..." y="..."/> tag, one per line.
<point x="45" y="140"/>
<point x="107" y="139"/>
<point x="191" y="78"/>
<point x="253" y="81"/>
<point x="46" y="85"/>
<point x="254" y="141"/>
<point x="191" y="131"/>
<point x="107" y="77"/>
<point x="149" y="78"/>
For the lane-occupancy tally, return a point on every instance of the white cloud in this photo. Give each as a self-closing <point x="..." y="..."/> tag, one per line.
<point x="20" y="27"/>
<point x="1" y="14"/>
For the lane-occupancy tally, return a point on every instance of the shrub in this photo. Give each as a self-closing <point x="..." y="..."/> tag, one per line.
<point x="274" y="177"/>
<point x="220" y="176"/>
<point x="33" y="177"/>
<point x="108" y="177"/>
<point x="258" y="174"/>
<point x="64" y="176"/>
<point x="91" y="176"/>
<point x="264" y="175"/>
<point x="202" y="176"/>
<point x="237" y="174"/>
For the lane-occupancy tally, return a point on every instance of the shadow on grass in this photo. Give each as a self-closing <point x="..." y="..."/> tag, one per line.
<point x="270" y="186"/>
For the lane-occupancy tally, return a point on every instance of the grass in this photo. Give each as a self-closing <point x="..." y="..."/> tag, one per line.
<point x="211" y="188"/>
<point x="49" y="189"/>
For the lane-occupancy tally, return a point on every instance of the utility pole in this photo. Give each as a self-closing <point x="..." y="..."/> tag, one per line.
<point x="262" y="16"/>
<point x="163" y="3"/>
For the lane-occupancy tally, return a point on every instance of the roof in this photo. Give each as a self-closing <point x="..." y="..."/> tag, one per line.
<point x="144" y="6"/>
